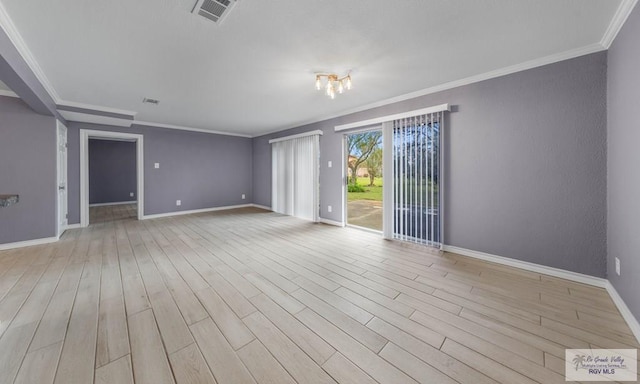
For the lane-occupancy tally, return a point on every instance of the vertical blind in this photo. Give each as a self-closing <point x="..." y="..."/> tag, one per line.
<point x="416" y="174"/>
<point x="295" y="177"/>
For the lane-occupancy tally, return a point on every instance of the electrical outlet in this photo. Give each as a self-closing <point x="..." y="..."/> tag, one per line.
<point x="618" y="266"/>
<point x="329" y="164"/>
<point x="329" y="208"/>
<point x="156" y="165"/>
<point x="178" y="202"/>
<point x="243" y="196"/>
<point x="130" y="194"/>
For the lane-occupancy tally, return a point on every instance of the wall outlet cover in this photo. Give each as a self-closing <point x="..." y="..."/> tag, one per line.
<point x="617" y="266"/>
<point x="329" y="209"/>
<point x="243" y="196"/>
<point x="156" y="165"/>
<point x="178" y="202"/>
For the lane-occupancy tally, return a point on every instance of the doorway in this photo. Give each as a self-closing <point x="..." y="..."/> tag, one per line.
<point x="112" y="212"/>
<point x="112" y="180"/>
<point x="364" y="158"/>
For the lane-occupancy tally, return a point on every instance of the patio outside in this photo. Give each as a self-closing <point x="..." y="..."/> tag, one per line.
<point x="364" y="188"/>
<point x="364" y="209"/>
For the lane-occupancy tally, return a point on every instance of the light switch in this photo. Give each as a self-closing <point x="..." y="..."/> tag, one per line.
<point x="329" y="164"/>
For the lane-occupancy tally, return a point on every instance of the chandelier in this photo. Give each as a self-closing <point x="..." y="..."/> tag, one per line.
<point x="333" y="83"/>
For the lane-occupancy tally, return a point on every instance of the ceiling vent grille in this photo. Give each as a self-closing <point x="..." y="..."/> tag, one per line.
<point x="214" y="10"/>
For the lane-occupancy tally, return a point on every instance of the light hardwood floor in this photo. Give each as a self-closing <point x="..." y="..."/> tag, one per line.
<point x="248" y="296"/>
<point x="104" y="213"/>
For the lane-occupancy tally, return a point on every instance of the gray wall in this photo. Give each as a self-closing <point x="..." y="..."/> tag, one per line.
<point x="28" y="168"/>
<point x="112" y="171"/>
<point x="203" y="170"/>
<point x="624" y="163"/>
<point x="525" y="164"/>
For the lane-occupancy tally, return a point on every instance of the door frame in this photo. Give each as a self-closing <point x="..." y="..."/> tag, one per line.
<point x="85" y="135"/>
<point x="345" y="175"/>
<point x="60" y="225"/>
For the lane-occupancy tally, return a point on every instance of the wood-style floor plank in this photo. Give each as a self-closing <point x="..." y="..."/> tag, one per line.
<point x="189" y="366"/>
<point x="223" y="361"/>
<point x="264" y="367"/>
<point x="150" y="364"/>
<point x="118" y="371"/>
<point x="247" y="296"/>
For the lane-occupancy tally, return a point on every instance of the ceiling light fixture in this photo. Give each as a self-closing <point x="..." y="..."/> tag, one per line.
<point x="333" y="83"/>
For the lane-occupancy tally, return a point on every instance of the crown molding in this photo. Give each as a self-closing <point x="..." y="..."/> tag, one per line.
<point x="16" y="39"/>
<point x="92" y="118"/>
<point x="566" y="55"/>
<point x="622" y="14"/>
<point x="183" y="128"/>
<point x="6" y="92"/>
<point x="94" y="109"/>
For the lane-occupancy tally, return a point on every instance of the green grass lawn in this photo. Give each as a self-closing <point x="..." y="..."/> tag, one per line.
<point x="375" y="192"/>
<point x="370" y="193"/>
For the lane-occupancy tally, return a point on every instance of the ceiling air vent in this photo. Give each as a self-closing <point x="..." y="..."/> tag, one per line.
<point x="147" y="100"/>
<point x="214" y="10"/>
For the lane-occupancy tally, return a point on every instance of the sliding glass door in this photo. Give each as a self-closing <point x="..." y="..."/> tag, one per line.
<point x="295" y="176"/>
<point x="364" y="179"/>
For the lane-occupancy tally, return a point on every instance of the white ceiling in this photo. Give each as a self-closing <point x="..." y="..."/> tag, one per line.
<point x="253" y="73"/>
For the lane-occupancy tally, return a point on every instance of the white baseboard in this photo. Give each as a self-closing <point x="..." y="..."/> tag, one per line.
<point x="28" y="243"/>
<point x="360" y="228"/>
<point x="72" y="226"/>
<point x="115" y="203"/>
<point x="179" y="213"/>
<point x="533" y="267"/>
<point x="331" y="222"/>
<point x="261" y="207"/>
<point x="631" y="320"/>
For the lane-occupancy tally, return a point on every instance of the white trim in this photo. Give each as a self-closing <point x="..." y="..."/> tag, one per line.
<point x="387" y="174"/>
<point x="533" y="267"/>
<point x="183" y="128"/>
<point x="365" y="229"/>
<point x="566" y="55"/>
<point x="331" y="222"/>
<point x="204" y="210"/>
<point x="8" y="93"/>
<point x="622" y="13"/>
<point x="81" y="117"/>
<point x="631" y="320"/>
<point x="16" y="39"/>
<point x="60" y="228"/>
<point x="261" y="207"/>
<point x="114" y="203"/>
<point x="296" y="136"/>
<point x="344" y="196"/>
<point x="85" y="134"/>
<point x="397" y="116"/>
<point x="28" y="243"/>
<point x="626" y="313"/>
<point x="72" y="226"/>
<point x="97" y="108"/>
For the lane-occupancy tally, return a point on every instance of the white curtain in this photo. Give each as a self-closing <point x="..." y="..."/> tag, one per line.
<point x="295" y="177"/>
<point x="415" y="178"/>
